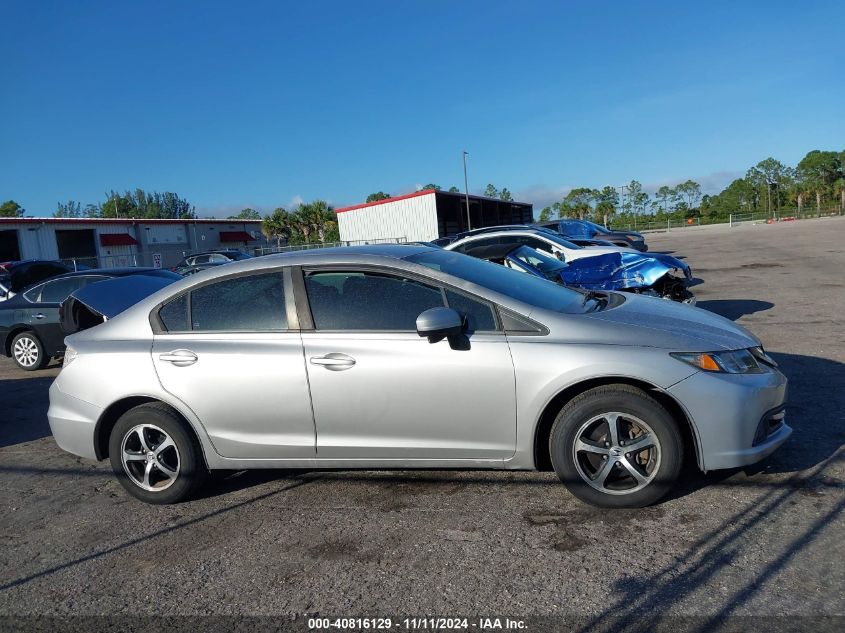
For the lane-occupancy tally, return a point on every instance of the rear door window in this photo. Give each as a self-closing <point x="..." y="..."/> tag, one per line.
<point x="251" y="303"/>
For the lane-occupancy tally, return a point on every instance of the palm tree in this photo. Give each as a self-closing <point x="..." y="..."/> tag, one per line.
<point x="324" y="217"/>
<point x="278" y="225"/>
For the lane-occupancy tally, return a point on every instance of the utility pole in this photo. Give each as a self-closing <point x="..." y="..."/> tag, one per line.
<point x="466" y="189"/>
<point x="621" y="199"/>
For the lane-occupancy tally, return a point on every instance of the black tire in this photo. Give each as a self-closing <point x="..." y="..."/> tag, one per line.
<point x="188" y="463"/>
<point x="583" y="415"/>
<point x="35" y="347"/>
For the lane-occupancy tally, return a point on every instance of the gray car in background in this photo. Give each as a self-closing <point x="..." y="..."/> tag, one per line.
<point x="413" y="357"/>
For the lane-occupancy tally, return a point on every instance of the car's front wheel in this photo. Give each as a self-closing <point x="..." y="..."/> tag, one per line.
<point x="155" y="456"/>
<point x="28" y="352"/>
<point x="615" y="446"/>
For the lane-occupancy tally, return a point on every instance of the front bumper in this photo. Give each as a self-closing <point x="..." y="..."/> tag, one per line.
<point x="727" y="411"/>
<point x="73" y="422"/>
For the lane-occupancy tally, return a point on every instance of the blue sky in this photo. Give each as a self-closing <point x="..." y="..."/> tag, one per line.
<point x="236" y="104"/>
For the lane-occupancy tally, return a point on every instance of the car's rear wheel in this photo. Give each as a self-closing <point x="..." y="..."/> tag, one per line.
<point x="155" y="456"/>
<point x="28" y="352"/>
<point x="615" y="446"/>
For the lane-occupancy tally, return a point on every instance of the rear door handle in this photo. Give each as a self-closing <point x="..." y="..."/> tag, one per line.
<point x="179" y="357"/>
<point x="333" y="361"/>
<point x="40" y="315"/>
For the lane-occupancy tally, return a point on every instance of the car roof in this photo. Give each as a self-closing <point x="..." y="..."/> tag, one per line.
<point x="108" y="272"/>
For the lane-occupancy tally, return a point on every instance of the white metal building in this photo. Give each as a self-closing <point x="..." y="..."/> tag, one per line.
<point x="426" y="215"/>
<point x="113" y="242"/>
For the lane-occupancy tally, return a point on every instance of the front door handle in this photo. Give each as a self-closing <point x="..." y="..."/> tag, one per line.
<point x="333" y="361"/>
<point x="179" y="357"/>
<point x="40" y="315"/>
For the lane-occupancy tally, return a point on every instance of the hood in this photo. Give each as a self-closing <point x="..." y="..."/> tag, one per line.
<point x="98" y="302"/>
<point x="660" y="323"/>
<point x="674" y="262"/>
<point x="615" y="271"/>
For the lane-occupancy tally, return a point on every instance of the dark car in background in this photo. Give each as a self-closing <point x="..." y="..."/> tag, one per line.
<point x="196" y="262"/>
<point x="30" y="330"/>
<point x="15" y="276"/>
<point x="583" y="229"/>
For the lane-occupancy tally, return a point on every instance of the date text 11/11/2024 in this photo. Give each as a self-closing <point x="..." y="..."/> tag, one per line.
<point x="417" y="623"/>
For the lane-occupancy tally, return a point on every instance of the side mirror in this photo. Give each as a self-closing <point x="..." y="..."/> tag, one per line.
<point x="439" y="323"/>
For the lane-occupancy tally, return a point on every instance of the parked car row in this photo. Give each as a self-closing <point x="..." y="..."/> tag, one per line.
<point x="594" y="266"/>
<point x="31" y="331"/>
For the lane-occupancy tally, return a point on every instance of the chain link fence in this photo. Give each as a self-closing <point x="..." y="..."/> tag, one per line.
<point x="169" y="257"/>
<point x="758" y="217"/>
<point x="269" y="250"/>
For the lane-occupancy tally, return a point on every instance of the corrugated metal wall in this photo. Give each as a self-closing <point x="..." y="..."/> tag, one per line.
<point x="414" y="219"/>
<point x="115" y="256"/>
<point x="170" y="241"/>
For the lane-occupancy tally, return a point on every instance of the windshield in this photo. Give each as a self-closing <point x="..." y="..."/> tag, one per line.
<point x="549" y="266"/>
<point x="517" y="285"/>
<point x="238" y="256"/>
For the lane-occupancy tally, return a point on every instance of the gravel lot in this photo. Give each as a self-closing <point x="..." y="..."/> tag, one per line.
<point x="766" y="541"/>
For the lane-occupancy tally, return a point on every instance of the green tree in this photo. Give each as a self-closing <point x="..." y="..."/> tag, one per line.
<point x="505" y="195"/>
<point x="430" y="185"/>
<point x="691" y="192"/>
<point x="664" y="195"/>
<point x="491" y="192"/>
<point x="71" y="209"/>
<point x="636" y="200"/>
<point x="11" y="209"/>
<point x="606" y="200"/>
<point x="378" y="195"/>
<point x="546" y="214"/>
<point x="818" y="170"/>
<point x="278" y="226"/>
<point x="772" y="180"/>
<point x="580" y="201"/>
<point x="454" y="189"/>
<point x="246" y="214"/>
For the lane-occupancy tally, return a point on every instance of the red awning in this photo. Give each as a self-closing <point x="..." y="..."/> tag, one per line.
<point x="117" y="239"/>
<point x="236" y="236"/>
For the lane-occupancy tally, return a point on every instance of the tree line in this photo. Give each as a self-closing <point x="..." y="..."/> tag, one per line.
<point x="308" y="223"/>
<point x="491" y="192"/>
<point x="132" y="204"/>
<point x="770" y="186"/>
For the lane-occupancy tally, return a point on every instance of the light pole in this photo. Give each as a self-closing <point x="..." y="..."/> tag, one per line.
<point x="466" y="189"/>
<point x="622" y="199"/>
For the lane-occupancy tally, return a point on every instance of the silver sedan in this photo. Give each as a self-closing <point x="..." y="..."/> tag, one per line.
<point x="413" y="357"/>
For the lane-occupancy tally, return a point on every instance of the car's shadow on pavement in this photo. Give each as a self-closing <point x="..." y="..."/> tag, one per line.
<point x="734" y="309"/>
<point x="23" y="408"/>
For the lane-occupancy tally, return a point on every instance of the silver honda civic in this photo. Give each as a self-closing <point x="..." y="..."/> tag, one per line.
<point x="413" y="357"/>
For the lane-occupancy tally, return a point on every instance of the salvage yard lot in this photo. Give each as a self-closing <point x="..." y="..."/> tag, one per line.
<point x="769" y="540"/>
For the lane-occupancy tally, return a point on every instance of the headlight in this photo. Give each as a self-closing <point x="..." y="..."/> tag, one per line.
<point x="69" y="357"/>
<point x="761" y="355"/>
<point x="741" y="361"/>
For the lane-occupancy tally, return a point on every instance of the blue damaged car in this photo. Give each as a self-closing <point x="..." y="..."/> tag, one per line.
<point x="624" y="271"/>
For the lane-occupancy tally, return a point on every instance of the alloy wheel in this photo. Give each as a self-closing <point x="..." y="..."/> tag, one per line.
<point x="150" y="457"/>
<point x="616" y="453"/>
<point x="26" y="351"/>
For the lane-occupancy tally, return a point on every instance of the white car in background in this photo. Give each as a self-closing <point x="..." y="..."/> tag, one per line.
<point x="540" y="239"/>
